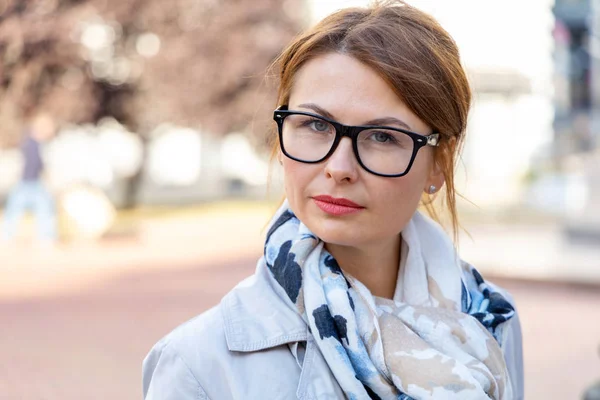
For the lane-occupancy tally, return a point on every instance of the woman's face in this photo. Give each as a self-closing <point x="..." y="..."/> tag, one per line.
<point x="353" y="94"/>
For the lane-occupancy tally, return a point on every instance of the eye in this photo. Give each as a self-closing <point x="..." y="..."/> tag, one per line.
<point x="319" y="125"/>
<point x="382" y="137"/>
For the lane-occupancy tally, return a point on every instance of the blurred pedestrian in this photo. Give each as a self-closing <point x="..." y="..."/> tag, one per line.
<point x="30" y="193"/>
<point x="359" y="294"/>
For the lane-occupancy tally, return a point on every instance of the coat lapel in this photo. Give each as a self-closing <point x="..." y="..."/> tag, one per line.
<point x="256" y="318"/>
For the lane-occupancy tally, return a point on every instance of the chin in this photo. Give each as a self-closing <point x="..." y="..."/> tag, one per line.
<point x="344" y="234"/>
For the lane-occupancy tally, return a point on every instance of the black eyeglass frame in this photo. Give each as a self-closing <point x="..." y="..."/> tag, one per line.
<point x="352" y="132"/>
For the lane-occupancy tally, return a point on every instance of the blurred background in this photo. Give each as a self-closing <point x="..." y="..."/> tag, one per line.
<point x="134" y="141"/>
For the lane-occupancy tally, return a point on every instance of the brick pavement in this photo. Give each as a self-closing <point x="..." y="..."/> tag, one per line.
<point x="90" y="345"/>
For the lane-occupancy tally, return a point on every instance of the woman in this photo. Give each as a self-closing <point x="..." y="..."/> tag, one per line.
<point x="358" y="294"/>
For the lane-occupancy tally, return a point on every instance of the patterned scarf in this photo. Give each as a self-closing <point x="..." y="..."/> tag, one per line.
<point x="441" y="340"/>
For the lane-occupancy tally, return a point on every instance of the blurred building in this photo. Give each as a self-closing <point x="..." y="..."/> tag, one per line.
<point x="577" y="103"/>
<point x="574" y="75"/>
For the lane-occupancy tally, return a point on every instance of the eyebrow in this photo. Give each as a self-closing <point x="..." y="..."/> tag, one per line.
<point x="384" y="121"/>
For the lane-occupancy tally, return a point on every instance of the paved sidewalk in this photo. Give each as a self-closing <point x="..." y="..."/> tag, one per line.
<point x="85" y="314"/>
<point x="230" y="231"/>
<point x="90" y="345"/>
<point x="530" y="251"/>
<point x="224" y="233"/>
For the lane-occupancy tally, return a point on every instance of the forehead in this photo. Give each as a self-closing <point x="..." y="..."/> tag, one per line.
<point x="350" y="90"/>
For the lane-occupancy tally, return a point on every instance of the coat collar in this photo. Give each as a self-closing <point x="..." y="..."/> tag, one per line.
<point x="256" y="318"/>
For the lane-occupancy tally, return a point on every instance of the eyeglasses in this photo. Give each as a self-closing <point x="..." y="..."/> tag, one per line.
<point x="381" y="150"/>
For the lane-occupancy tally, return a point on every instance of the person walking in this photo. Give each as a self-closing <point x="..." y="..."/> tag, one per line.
<point x="30" y="193"/>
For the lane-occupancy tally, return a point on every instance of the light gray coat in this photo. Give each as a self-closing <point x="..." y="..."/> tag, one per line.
<point x="247" y="347"/>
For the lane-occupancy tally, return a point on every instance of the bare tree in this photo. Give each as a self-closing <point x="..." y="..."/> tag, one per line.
<point x="193" y="62"/>
<point x="198" y="63"/>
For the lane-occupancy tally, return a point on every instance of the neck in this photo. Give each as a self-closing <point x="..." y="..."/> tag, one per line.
<point x="374" y="265"/>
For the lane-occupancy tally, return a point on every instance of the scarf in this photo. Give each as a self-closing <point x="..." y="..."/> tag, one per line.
<point x="440" y="340"/>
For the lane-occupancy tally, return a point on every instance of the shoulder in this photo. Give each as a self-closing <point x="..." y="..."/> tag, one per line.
<point x="512" y="346"/>
<point x="194" y="354"/>
<point x="220" y="351"/>
<point x="204" y="336"/>
<point x="181" y="359"/>
<point x="207" y="323"/>
<point x="193" y="334"/>
<point x="199" y="342"/>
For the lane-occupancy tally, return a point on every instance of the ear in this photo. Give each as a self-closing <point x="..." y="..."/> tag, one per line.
<point x="436" y="178"/>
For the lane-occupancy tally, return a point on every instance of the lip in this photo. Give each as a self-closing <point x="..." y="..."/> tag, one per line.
<point x="337" y="206"/>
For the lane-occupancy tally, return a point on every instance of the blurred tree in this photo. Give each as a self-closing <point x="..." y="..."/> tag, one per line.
<point x="198" y="63"/>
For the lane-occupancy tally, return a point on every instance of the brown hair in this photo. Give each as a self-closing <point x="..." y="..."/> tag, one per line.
<point x="413" y="54"/>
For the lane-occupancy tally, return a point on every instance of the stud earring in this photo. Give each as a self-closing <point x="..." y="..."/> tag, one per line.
<point x="432" y="189"/>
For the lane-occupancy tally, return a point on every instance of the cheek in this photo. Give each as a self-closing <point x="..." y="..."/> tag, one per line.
<point x="421" y="170"/>
<point x="289" y="175"/>
<point x="398" y="199"/>
<point x="296" y="176"/>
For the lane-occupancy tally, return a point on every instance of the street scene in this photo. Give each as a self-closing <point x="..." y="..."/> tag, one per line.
<point x="138" y="177"/>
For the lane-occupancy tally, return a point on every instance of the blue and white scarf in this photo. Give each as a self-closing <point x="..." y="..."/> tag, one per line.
<point x="440" y="340"/>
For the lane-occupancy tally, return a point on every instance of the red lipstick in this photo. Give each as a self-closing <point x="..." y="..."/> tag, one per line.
<point x="336" y="206"/>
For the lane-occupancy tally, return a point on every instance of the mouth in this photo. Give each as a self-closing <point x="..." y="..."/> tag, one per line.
<point x="337" y="206"/>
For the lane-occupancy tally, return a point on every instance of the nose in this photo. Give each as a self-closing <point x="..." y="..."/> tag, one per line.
<point x="342" y="165"/>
